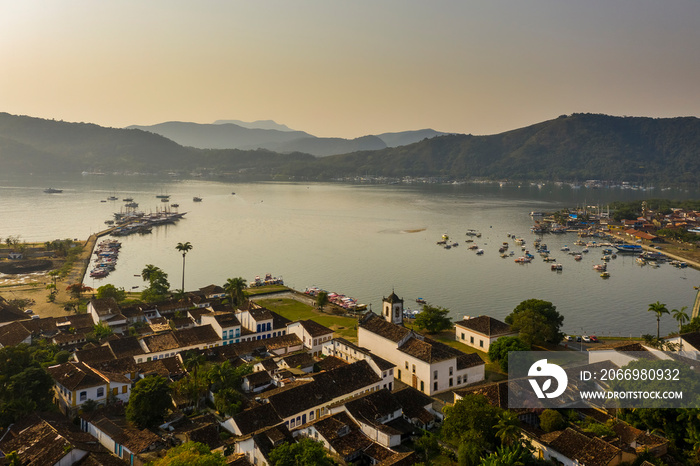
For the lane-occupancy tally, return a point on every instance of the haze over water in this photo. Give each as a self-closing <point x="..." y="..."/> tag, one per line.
<point x="363" y="241"/>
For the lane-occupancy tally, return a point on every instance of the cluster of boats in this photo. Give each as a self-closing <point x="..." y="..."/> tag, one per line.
<point x="268" y="280"/>
<point x="447" y="244"/>
<point x="338" y="299"/>
<point x="132" y="222"/>
<point x="107" y="252"/>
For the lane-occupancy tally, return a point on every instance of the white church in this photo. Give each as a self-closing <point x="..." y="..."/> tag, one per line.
<point x="425" y="364"/>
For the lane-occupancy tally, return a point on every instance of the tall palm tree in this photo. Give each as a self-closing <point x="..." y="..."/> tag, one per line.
<point x="184" y="248"/>
<point x="659" y="309"/>
<point x="682" y="317"/>
<point x="235" y="288"/>
<point x="508" y="429"/>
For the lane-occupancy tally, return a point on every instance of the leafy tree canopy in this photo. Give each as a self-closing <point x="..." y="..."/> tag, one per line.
<point x="191" y="454"/>
<point x="433" y="319"/>
<point x="471" y="413"/>
<point x="149" y="401"/>
<point x="111" y="291"/>
<point x="537" y="321"/>
<point x="551" y="420"/>
<point x="302" y="453"/>
<point x="499" y="349"/>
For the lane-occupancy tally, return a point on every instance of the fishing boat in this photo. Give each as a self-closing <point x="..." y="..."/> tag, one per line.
<point x="53" y="191"/>
<point x="628" y="248"/>
<point x="479" y="252"/>
<point x="128" y="199"/>
<point x="421" y="301"/>
<point x="197" y="199"/>
<point x="600" y="267"/>
<point x="557" y="267"/>
<point x="605" y="275"/>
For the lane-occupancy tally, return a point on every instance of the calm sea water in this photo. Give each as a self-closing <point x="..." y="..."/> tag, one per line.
<point x="363" y="241"/>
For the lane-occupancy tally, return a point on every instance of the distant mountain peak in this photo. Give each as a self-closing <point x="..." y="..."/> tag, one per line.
<point x="259" y="124"/>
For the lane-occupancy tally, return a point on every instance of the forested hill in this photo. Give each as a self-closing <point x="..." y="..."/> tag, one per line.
<point x="576" y="147"/>
<point x="38" y="145"/>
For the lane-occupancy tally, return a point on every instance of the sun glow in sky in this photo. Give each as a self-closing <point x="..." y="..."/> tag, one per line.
<point x="347" y="69"/>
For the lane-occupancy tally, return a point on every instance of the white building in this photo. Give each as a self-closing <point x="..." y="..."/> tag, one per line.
<point x="350" y="352"/>
<point x="425" y="364"/>
<point x="480" y="332"/>
<point x="75" y="383"/>
<point x="312" y="334"/>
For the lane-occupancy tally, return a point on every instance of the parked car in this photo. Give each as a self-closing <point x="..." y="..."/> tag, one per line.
<point x="569" y="338"/>
<point x="586" y="339"/>
<point x="28" y="311"/>
<point x="578" y="339"/>
<point x="36" y="317"/>
<point x="594" y="339"/>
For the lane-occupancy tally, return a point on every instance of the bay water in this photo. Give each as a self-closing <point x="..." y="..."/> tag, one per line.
<point x="363" y="241"/>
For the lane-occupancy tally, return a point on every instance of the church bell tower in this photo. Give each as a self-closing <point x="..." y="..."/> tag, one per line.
<point x="392" y="309"/>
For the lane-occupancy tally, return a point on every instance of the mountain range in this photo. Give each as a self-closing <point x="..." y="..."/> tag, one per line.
<point x="567" y="148"/>
<point x="266" y="134"/>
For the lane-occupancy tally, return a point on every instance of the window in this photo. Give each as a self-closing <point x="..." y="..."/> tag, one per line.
<point x="83" y="396"/>
<point x="115" y="391"/>
<point x="399" y="374"/>
<point x="406" y="365"/>
<point x="450" y="381"/>
<point x="435" y="375"/>
<point x="481" y="343"/>
<point x="422" y="386"/>
<point x="450" y="371"/>
<point x="459" y="379"/>
<point x="462" y="335"/>
<point x="414" y="368"/>
<point x="434" y="386"/>
<point x="100" y="392"/>
<point x="471" y="340"/>
<point x="124" y="388"/>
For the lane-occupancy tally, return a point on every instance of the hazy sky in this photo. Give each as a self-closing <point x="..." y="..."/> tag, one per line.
<point x="349" y="68"/>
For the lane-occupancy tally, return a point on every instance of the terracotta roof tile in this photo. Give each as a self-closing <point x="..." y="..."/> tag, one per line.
<point x="375" y="324"/>
<point x="486" y="325"/>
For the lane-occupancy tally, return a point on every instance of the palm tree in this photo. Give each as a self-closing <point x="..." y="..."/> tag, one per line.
<point x="681" y="316"/>
<point x="192" y="363"/>
<point x="235" y="287"/>
<point x="149" y="272"/>
<point x="659" y="309"/>
<point x="184" y="248"/>
<point x="508" y="429"/>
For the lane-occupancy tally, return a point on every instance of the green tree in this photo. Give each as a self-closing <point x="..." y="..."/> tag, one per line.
<point x="77" y="289"/>
<point x="228" y="401"/>
<point x="235" y="288"/>
<point x="321" y="299"/>
<point x="111" y="291"/>
<point x="193" y="361"/>
<point x="158" y="283"/>
<point x="471" y="413"/>
<point x="25" y="386"/>
<point x="102" y="330"/>
<point x="149" y="272"/>
<point x="149" y="401"/>
<point x="681" y="317"/>
<point x="499" y="349"/>
<point x="551" y="420"/>
<point x="508" y="428"/>
<point x="659" y="309"/>
<point x="191" y="454"/>
<point x="184" y="248"/>
<point x="303" y="453"/>
<point x="471" y="448"/>
<point x="537" y="321"/>
<point x="427" y="445"/>
<point x="433" y="319"/>
<point x="509" y="455"/>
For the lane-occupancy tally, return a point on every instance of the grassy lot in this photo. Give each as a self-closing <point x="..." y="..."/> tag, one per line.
<point x="345" y="327"/>
<point x="258" y="290"/>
